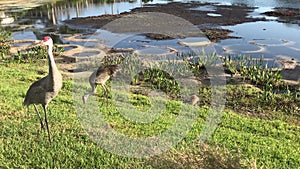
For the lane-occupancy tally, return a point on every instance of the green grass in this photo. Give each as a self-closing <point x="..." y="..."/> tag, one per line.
<point x="238" y="141"/>
<point x="4" y="43"/>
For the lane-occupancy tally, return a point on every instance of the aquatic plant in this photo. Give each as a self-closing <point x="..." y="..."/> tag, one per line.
<point x="114" y="59"/>
<point x="268" y="78"/>
<point x="198" y="62"/>
<point x="159" y="79"/>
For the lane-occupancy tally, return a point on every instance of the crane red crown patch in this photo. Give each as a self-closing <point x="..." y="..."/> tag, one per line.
<point x="46" y="38"/>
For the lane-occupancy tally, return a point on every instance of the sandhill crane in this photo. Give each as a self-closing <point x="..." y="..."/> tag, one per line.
<point x="194" y="99"/>
<point x="45" y="89"/>
<point x="100" y="76"/>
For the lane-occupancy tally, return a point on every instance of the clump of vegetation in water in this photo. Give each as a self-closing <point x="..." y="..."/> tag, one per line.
<point x="257" y="71"/>
<point x="269" y="93"/>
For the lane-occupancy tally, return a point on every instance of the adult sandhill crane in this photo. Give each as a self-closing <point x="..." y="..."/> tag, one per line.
<point x="45" y="89"/>
<point x="99" y="77"/>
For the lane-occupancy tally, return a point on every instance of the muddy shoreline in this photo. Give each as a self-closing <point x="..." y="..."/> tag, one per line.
<point x="203" y="19"/>
<point x="208" y="17"/>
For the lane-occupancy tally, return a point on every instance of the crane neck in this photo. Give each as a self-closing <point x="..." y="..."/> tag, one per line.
<point x="52" y="66"/>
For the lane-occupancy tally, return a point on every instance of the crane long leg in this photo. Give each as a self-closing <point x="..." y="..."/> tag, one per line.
<point x="41" y="121"/>
<point x="46" y="120"/>
<point x="105" y="92"/>
<point x="92" y="92"/>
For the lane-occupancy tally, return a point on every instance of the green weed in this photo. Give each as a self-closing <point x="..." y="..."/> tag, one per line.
<point x="33" y="54"/>
<point x="5" y="44"/>
<point x="159" y="80"/>
<point x="257" y="71"/>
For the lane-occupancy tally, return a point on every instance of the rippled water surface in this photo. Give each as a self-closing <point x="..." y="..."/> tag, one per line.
<point x="269" y="38"/>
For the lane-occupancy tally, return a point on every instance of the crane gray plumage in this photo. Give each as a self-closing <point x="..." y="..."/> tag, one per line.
<point x="99" y="77"/>
<point x="45" y="89"/>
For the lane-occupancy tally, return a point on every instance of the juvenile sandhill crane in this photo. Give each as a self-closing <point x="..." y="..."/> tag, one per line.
<point x="99" y="77"/>
<point x="45" y="89"/>
<point x="194" y="99"/>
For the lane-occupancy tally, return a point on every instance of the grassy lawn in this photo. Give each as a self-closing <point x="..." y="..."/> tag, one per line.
<point x="239" y="141"/>
<point x="259" y="127"/>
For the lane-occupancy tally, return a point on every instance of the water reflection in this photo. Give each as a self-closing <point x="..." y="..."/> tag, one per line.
<point x="259" y="3"/>
<point x="26" y="34"/>
<point x="56" y="12"/>
<point x="271" y="39"/>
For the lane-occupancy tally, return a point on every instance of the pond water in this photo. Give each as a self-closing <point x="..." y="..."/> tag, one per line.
<point x="258" y="3"/>
<point x="269" y="38"/>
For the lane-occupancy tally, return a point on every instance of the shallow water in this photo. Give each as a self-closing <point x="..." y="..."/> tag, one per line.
<point x="270" y="38"/>
<point x="156" y="49"/>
